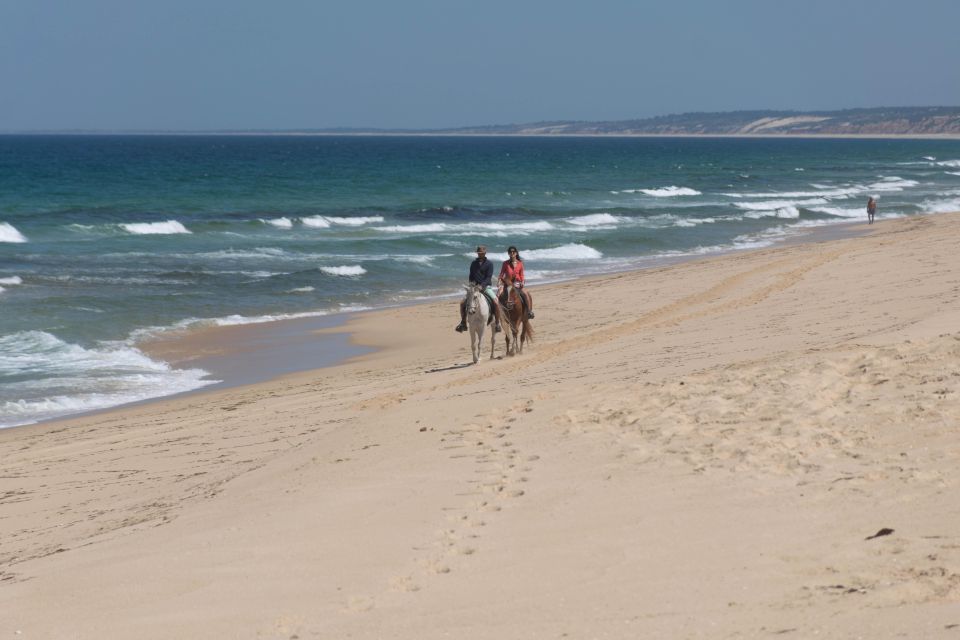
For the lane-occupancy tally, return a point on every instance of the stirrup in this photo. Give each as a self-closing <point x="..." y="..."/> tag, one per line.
<point x="530" y="314"/>
<point x="497" y="328"/>
<point x="460" y="328"/>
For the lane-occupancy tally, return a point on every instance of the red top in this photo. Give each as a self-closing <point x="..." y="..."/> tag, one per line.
<point x="511" y="273"/>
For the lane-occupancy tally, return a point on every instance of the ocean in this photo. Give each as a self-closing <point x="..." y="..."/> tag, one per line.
<point x="108" y="240"/>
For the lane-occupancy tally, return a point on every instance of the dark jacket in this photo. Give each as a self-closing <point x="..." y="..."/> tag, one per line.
<point x="481" y="272"/>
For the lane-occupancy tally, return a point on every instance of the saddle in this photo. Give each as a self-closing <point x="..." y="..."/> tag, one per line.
<point x="505" y="301"/>
<point x="490" y="317"/>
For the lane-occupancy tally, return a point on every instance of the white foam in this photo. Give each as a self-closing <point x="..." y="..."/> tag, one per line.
<point x="325" y="222"/>
<point x="280" y="223"/>
<point x="841" y="212"/>
<point x="823" y="191"/>
<point x="930" y="158"/>
<point x="666" y="192"/>
<point x="941" y="206"/>
<point x="564" y="252"/>
<point x="9" y="233"/>
<point x="788" y="212"/>
<point x="515" y="227"/>
<point x="66" y="378"/>
<point x="300" y="290"/>
<point x="692" y="222"/>
<point x="189" y="324"/>
<point x="11" y="280"/>
<point x="595" y="220"/>
<point x="949" y="163"/>
<point x="315" y="222"/>
<point x="539" y="275"/>
<point x="355" y="222"/>
<point x="664" y="220"/>
<point x="234" y="320"/>
<point x="773" y="205"/>
<point x="346" y="270"/>
<point x="501" y="229"/>
<point x="436" y="227"/>
<point x="892" y="183"/>
<point x="154" y="228"/>
<point x="952" y="173"/>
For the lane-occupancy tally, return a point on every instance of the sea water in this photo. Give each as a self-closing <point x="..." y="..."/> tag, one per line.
<point x="105" y="240"/>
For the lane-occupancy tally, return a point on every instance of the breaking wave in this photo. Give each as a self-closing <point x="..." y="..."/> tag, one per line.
<point x="346" y="270"/>
<point x="154" y="228"/>
<point x="9" y="233"/>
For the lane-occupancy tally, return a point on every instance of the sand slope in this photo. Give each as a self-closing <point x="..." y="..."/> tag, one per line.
<point x="698" y="451"/>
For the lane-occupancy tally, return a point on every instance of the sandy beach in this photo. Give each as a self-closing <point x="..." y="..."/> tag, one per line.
<point x="763" y="444"/>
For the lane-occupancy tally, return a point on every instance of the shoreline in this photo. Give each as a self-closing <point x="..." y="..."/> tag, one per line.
<point x="710" y="447"/>
<point x="286" y="347"/>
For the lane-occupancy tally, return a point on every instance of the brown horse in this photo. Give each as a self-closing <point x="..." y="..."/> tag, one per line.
<point x="517" y="320"/>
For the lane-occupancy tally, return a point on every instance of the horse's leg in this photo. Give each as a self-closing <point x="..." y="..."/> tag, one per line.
<point x="493" y="343"/>
<point x="501" y="319"/>
<point x="475" y="343"/>
<point x="493" y="331"/>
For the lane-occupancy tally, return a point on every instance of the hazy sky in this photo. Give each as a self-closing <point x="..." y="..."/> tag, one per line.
<point x="214" y="64"/>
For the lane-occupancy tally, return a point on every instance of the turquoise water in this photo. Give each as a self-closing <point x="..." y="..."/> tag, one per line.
<point x="106" y="239"/>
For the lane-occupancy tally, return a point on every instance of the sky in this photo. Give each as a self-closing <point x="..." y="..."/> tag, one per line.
<point x="296" y="64"/>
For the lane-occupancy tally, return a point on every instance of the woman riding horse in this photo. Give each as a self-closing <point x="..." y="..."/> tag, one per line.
<point x="512" y="271"/>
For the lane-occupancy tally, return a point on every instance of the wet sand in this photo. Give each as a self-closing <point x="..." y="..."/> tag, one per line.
<point x="246" y="354"/>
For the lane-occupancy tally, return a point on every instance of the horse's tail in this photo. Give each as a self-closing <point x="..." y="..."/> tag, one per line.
<point x="527" y="330"/>
<point x="504" y="321"/>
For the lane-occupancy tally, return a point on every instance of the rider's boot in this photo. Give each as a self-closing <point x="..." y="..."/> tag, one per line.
<point x="460" y="328"/>
<point x="496" y="320"/>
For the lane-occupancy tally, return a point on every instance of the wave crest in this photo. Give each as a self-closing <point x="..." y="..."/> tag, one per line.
<point x="595" y="220"/>
<point x="345" y="270"/>
<point x="669" y="192"/>
<point x="154" y="228"/>
<point x="571" y="251"/>
<point x="9" y="233"/>
<point x="67" y="378"/>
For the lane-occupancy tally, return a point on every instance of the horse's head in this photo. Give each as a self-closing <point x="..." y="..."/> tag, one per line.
<point x="473" y="298"/>
<point x="510" y="293"/>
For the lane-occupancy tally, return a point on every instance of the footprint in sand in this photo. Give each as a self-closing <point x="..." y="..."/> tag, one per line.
<point x="404" y="584"/>
<point x="358" y="604"/>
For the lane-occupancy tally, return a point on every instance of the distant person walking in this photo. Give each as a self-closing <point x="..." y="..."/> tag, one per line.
<point x="871" y="210"/>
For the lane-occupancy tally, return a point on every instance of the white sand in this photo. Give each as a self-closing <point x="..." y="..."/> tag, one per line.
<point x="697" y="451"/>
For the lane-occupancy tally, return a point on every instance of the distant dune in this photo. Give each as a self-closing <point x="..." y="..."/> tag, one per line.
<point x="875" y="121"/>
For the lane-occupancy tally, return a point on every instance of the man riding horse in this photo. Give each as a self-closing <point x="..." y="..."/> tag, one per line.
<point x="481" y="273"/>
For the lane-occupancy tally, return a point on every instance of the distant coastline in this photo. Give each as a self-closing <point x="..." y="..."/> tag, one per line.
<point x="431" y="134"/>
<point x="879" y="122"/>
